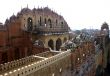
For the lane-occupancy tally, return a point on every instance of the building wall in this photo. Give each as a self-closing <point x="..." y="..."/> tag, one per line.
<point x="61" y="64"/>
<point x="99" y="58"/>
<point x="83" y="55"/>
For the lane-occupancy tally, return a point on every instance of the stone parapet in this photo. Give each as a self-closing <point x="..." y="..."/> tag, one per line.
<point x="27" y="66"/>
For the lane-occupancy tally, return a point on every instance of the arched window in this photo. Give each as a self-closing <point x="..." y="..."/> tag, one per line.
<point x="51" y="44"/>
<point x="58" y="44"/>
<point x="29" y="24"/>
<point x="61" y="24"/>
<point x="56" y="22"/>
<point x="50" y="23"/>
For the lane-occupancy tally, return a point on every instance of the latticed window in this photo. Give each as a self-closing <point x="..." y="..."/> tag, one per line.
<point x="62" y="24"/>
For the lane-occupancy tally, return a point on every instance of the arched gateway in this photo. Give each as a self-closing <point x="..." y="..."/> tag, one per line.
<point x="58" y="44"/>
<point x="51" y="44"/>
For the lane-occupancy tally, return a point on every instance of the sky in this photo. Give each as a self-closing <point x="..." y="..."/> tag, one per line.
<point x="79" y="14"/>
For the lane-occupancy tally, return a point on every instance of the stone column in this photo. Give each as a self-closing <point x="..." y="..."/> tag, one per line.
<point x="46" y="43"/>
<point x="54" y="44"/>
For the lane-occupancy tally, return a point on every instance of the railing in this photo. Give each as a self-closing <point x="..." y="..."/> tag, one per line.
<point x="17" y="63"/>
<point x="44" y="30"/>
<point x="33" y="66"/>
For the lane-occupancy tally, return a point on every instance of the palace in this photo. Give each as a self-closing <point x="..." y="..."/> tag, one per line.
<point x="37" y="42"/>
<point x="31" y="32"/>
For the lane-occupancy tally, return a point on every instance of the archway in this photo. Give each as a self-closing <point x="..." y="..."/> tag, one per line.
<point x="58" y="44"/>
<point x="29" y="24"/>
<point x="51" y="44"/>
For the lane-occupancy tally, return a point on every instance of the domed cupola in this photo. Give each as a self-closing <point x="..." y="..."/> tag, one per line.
<point x="25" y="10"/>
<point x="47" y="9"/>
<point x="7" y="21"/>
<point x="105" y="26"/>
<point x="12" y="18"/>
<point x="34" y="9"/>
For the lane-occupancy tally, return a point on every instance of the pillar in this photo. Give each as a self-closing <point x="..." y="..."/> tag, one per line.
<point x="54" y="44"/>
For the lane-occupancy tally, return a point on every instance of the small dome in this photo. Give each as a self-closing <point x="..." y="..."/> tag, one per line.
<point x="25" y="10"/>
<point x="39" y="9"/>
<point x="47" y="9"/>
<point x="7" y="21"/>
<point x="34" y="9"/>
<point x="105" y="26"/>
<point x="13" y="17"/>
<point x="18" y="14"/>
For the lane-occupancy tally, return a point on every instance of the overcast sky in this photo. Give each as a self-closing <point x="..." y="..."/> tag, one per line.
<point x="79" y="14"/>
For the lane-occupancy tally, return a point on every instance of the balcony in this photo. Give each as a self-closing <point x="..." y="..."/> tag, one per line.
<point x="51" y="30"/>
